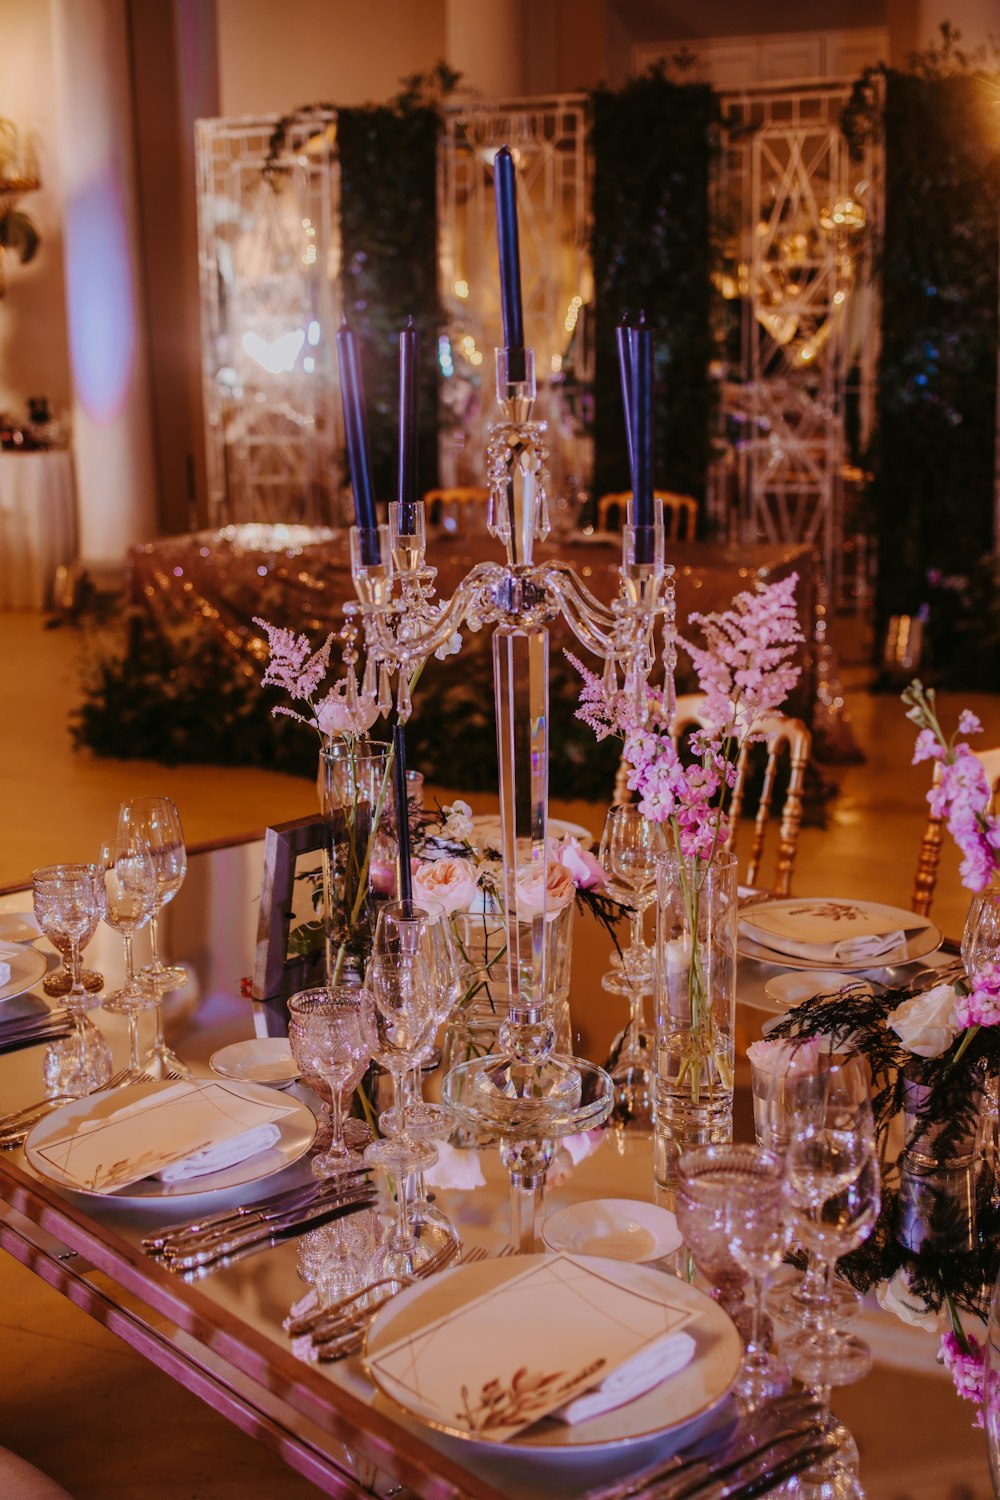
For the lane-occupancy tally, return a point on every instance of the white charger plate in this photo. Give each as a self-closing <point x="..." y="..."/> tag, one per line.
<point x="925" y="939"/>
<point x="267" y="1060"/>
<point x="616" y="1228"/>
<point x="691" y="1393"/>
<point x="297" y="1130"/>
<point x="27" y="967"/>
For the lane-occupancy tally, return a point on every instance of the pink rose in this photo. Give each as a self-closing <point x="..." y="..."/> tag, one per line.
<point x="451" y="883"/>
<point x="383" y="877"/>
<point x="333" y="716"/>
<point x="585" y="868"/>
<point x="784" y="1058"/>
<point x="558" y="892"/>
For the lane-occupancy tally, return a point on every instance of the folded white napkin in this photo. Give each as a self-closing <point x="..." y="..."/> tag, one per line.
<point x="843" y="951"/>
<point x="4" y="971"/>
<point x="652" y="1365"/>
<point x="225" y="1154"/>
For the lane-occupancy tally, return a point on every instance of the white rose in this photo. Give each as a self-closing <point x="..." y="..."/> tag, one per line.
<point x="897" y="1296"/>
<point x="926" y="1024"/>
<point x="455" y="1169"/>
<point x="451" y="883"/>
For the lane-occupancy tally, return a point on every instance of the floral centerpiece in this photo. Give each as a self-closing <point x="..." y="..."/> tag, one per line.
<point x="745" y="671"/>
<point x="934" y="1054"/>
<point x="354" y="781"/>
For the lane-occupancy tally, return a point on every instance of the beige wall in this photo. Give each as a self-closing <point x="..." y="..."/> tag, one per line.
<point x="34" y="356"/>
<point x="274" y="54"/>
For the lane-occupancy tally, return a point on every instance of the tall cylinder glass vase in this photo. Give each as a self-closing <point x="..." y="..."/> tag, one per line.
<point x="353" y="779"/>
<point x="695" y="1003"/>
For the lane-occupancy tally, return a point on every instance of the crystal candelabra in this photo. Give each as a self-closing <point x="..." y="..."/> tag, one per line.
<point x="526" y="1093"/>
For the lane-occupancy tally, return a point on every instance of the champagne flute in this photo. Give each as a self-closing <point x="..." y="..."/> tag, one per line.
<point x="155" y="822"/>
<point x="420" y="1119"/>
<point x="332" y="1035"/>
<point x="129" y="883"/>
<point x="758" y="1239"/>
<point x="630" y="845"/>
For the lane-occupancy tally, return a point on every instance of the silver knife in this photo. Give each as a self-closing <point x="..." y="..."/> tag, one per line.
<point x="263" y="1231"/>
<point x="234" y="1218"/>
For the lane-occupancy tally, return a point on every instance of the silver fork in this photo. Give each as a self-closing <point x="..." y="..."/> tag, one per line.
<point x="14" y="1127"/>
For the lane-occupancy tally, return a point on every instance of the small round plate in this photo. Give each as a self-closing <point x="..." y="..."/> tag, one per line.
<point x="487" y="834"/>
<point x="19" y="927"/>
<point x="786" y="990"/>
<point x="264" y="1059"/>
<point x="615" y="1228"/>
<point x="27" y="967"/>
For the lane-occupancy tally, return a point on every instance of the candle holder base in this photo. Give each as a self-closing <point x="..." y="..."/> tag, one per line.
<point x="520" y="1099"/>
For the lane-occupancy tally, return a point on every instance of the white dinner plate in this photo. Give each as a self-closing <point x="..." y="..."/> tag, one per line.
<point x="264" y="1059"/>
<point x="922" y="938"/>
<point x="27" y="967"/>
<point x="19" y="927"/>
<point x="487" y="833"/>
<point x="297" y="1131"/>
<point x="694" y="1391"/>
<point x="615" y="1228"/>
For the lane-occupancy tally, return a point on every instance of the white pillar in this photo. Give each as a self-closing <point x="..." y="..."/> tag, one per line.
<point x="112" y="431"/>
<point x="486" y="43"/>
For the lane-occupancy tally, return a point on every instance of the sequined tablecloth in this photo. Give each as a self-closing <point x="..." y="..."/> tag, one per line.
<point x="299" y="577"/>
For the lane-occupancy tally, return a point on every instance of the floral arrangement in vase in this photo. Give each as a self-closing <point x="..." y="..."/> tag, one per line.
<point x="354" y="781"/>
<point x="745" y="670"/>
<point x="934" y="1054"/>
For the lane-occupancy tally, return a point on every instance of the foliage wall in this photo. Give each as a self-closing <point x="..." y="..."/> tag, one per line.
<point x="652" y="144"/>
<point x="388" y="177"/>
<point x="934" y="450"/>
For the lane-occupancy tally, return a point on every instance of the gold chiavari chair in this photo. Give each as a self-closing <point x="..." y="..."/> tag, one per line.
<point x="680" y="514"/>
<point x="929" y="856"/>
<point x="454" y="502"/>
<point x="779" y="733"/>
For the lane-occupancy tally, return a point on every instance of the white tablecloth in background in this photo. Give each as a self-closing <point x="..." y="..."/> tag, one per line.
<point x="37" y="525"/>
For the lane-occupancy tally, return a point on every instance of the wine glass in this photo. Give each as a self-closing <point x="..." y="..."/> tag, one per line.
<point x="400" y="983"/>
<point x="63" y="981"/>
<point x="630" y="845"/>
<point x="980" y="947"/>
<point x="422" y="1120"/>
<point x="155" y="822"/>
<point x="758" y="1239"/>
<point x="332" y="1035"/>
<point x="707" y="1177"/>
<point x="68" y="902"/>
<point x="129" y="883"/>
<point x="833" y="1188"/>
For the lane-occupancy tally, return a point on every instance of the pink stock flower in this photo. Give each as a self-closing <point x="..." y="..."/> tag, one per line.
<point x="981" y="1006"/>
<point x="966" y="1366"/>
<point x="961" y="792"/>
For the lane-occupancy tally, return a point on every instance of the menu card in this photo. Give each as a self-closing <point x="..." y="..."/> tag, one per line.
<point x="102" y="1154"/>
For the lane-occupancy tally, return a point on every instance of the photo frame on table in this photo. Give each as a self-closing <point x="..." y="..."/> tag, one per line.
<point x="291" y="952"/>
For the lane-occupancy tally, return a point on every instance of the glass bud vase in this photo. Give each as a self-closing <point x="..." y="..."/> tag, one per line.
<point x="695" y="1005"/>
<point x="353" y="776"/>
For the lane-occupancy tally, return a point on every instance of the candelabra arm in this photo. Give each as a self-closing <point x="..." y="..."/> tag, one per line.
<point x="595" y="633"/>
<point x="420" y="639"/>
<point x="587" y="602"/>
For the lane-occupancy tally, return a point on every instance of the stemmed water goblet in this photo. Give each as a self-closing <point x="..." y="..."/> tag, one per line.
<point x="129" y="889"/>
<point x="66" y="979"/>
<point x="332" y="1037"/>
<point x="630" y="845"/>
<point x="68" y="902"/>
<point x="706" y="1180"/>
<point x="155" y="822"/>
<point x="420" y="1119"/>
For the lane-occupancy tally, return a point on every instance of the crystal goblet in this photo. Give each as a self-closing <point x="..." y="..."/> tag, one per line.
<point x="68" y="902"/>
<point x="332" y="1035"/>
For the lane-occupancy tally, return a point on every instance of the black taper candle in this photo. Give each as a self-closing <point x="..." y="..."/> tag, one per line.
<point x="352" y="394"/>
<point x="625" y="379"/>
<point x="510" y="262"/>
<point x="406" y="490"/>
<point x="402" y="813"/>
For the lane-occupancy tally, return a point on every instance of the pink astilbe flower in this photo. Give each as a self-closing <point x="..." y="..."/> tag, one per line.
<point x="981" y="1006"/>
<point x="745" y="668"/>
<point x="300" y="672"/>
<point x="963" y="1358"/>
<point x="603" y="712"/>
<point x="961" y="792"/>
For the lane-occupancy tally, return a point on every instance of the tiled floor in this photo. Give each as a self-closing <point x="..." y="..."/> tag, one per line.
<point x="77" y="1401"/>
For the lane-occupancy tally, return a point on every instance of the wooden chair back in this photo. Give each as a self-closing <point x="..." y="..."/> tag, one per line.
<point x="780" y="733"/>
<point x="680" y="513"/>
<point x="929" y="855"/>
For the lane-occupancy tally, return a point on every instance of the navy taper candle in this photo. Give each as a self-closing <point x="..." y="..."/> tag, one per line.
<point x="625" y="378"/>
<point x="352" y="395"/>
<point x="402" y="812"/>
<point x="510" y="262"/>
<point x="641" y="344"/>
<point x="406" y="490"/>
